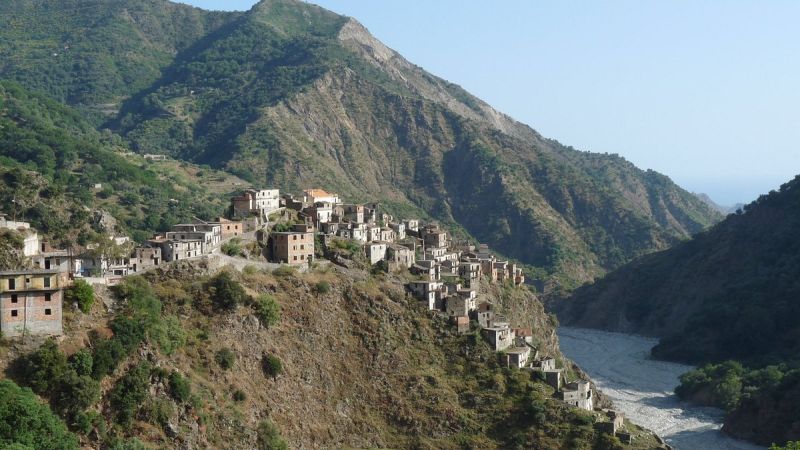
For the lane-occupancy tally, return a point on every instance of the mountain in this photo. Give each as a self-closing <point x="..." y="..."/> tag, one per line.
<point x="731" y="293"/>
<point x="291" y="95"/>
<point x="59" y="173"/>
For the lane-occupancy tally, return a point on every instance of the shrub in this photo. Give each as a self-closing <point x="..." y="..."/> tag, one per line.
<point x="272" y="365"/>
<point x="179" y="387"/>
<point x="129" y="393"/>
<point x="225" y="292"/>
<point x="81" y="293"/>
<point x="42" y="369"/>
<point x="158" y="411"/>
<point x="285" y="271"/>
<point x="82" y="362"/>
<point x="269" y="437"/>
<point x="28" y="423"/>
<point x="232" y="248"/>
<point x="239" y="396"/>
<point x="323" y="287"/>
<point x="225" y="358"/>
<point x="267" y="310"/>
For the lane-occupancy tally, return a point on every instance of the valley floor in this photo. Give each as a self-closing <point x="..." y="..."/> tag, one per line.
<point x="642" y="388"/>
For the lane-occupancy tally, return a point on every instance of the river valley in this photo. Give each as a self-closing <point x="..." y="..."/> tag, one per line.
<point x="642" y="388"/>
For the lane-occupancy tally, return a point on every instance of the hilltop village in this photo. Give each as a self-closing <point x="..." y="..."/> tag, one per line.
<point x="294" y="231"/>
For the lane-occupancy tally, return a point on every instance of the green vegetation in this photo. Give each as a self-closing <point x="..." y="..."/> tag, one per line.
<point x="225" y="358"/>
<point x="741" y="310"/>
<point x="232" y="247"/>
<point x="67" y="384"/>
<point x="792" y="445"/>
<point x="272" y="365"/>
<point x="80" y="293"/>
<point x="267" y="310"/>
<point x="225" y="292"/>
<point x="26" y="423"/>
<point x="269" y="437"/>
<point x="239" y="396"/>
<point x="130" y="392"/>
<point x="322" y="287"/>
<point x="179" y="387"/>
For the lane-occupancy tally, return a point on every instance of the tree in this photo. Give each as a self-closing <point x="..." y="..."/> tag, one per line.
<point x="81" y="293"/>
<point x="226" y="292"/>
<point x="179" y="387"/>
<point x="25" y="422"/>
<point x="267" y="310"/>
<point x="130" y="392"/>
<point x="272" y="365"/>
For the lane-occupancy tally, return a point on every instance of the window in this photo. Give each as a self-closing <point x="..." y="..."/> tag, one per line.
<point x="47" y="297"/>
<point x="14" y="298"/>
<point x="12" y="284"/>
<point x="48" y="312"/>
<point x="14" y="313"/>
<point x="27" y="280"/>
<point x="47" y="282"/>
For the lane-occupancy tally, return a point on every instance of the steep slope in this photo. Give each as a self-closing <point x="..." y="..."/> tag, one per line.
<point x="293" y="95"/>
<point x="359" y="365"/>
<point x="56" y="169"/>
<point x="93" y="53"/>
<point x="730" y="293"/>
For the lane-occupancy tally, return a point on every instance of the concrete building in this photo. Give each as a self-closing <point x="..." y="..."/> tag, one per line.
<point x="546" y="363"/>
<point x="517" y="357"/>
<point x="230" y="228"/>
<point x="616" y="420"/>
<point x="30" y="303"/>
<point x="456" y="305"/>
<point x="412" y="225"/>
<point x="400" y="255"/>
<point x="353" y="213"/>
<point x="428" y="268"/>
<point x="462" y="324"/>
<point x="293" y="247"/>
<point x="177" y="250"/>
<point x="255" y="201"/>
<point x="399" y="230"/>
<point x="554" y="378"/>
<point x="523" y="336"/>
<point x="144" y="258"/>
<point x="320" y="212"/>
<point x="386" y="235"/>
<point x="428" y="291"/>
<point x="311" y="196"/>
<point x="578" y="394"/>
<point x="209" y="233"/>
<point x="500" y="338"/>
<point x="375" y="251"/>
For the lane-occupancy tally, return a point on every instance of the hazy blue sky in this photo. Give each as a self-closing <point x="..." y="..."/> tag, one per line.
<point x="705" y="92"/>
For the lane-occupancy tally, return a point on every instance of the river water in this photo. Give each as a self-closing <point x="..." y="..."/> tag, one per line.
<point x="642" y="388"/>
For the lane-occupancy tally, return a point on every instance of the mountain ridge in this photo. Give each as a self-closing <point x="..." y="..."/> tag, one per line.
<point x="254" y="93"/>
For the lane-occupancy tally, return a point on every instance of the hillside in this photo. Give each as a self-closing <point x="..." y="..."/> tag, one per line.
<point x="60" y="173"/>
<point x="290" y="94"/>
<point x="347" y="362"/>
<point x="730" y="293"/>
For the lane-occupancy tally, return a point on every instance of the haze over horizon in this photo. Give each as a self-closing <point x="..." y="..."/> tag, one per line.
<point x="662" y="85"/>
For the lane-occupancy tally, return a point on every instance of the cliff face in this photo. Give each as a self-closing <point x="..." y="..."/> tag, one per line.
<point x="291" y="95"/>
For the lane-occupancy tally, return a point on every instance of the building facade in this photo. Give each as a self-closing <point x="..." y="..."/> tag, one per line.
<point x="293" y="247"/>
<point x="31" y="303"/>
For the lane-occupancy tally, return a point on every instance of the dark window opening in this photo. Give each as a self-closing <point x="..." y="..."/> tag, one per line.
<point x="48" y="312"/>
<point x="14" y="313"/>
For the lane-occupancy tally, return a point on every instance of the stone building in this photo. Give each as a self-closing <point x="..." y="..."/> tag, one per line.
<point x="517" y="357"/>
<point x="293" y="247"/>
<point x="144" y="258"/>
<point x="428" y="291"/>
<point x="176" y="250"/>
<point x="30" y="303"/>
<point x="255" y="201"/>
<point x="375" y="251"/>
<point x="230" y="228"/>
<point x="578" y="394"/>
<point x="500" y="338"/>
<point x="400" y="255"/>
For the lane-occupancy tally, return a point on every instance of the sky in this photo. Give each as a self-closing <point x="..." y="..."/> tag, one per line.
<point x="704" y="92"/>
